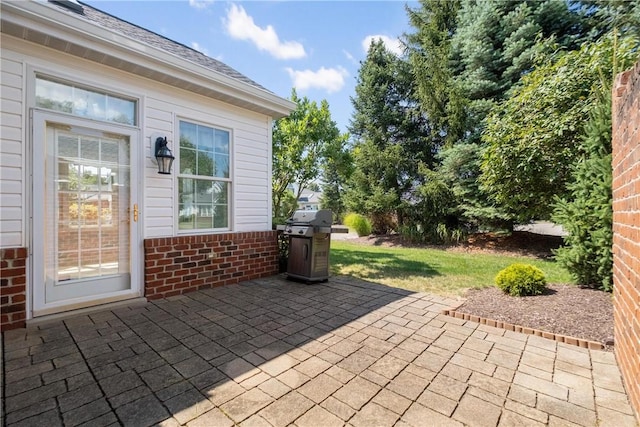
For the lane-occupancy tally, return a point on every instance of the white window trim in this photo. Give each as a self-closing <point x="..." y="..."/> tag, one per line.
<point x="230" y="180"/>
<point x="67" y="80"/>
<point x="32" y="68"/>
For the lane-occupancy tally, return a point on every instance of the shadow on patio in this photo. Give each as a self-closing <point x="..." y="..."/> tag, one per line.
<point x="276" y="352"/>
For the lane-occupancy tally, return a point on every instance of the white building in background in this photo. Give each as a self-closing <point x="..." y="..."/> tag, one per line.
<point x="309" y="200"/>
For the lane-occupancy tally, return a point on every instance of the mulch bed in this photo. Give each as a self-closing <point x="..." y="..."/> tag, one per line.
<point x="518" y="243"/>
<point x="568" y="310"/>
<point x="565" y="309"/>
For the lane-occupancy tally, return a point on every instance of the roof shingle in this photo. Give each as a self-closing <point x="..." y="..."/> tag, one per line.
<point x="143" y="35"/>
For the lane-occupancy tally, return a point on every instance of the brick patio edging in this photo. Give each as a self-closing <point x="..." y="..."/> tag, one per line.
<point x="592" y="345"/>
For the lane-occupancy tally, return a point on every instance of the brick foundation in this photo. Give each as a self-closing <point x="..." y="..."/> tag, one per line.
<point x="13" y="284"/>
<point x="176" y="265"/>
<point x="626" y="229"/>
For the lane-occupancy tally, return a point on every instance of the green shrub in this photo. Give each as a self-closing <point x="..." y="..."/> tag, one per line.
<point x="283" y="251"/>
<point x="587" y="215"/>
<point x="359" y="223"/>
<point x="349" y="219"/>
<point x="521" y="279"/>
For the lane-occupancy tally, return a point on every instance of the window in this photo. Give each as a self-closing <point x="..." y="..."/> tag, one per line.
<point x="83" y="102"/>
<point x="87" y="179"/>
<point x="204" y="180"/>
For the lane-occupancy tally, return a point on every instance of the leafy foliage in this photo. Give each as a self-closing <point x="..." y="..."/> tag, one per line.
<point x="337" y="170"/>
<point x="521" y="279"/>
<point x="287" y="204"/>
<point x="283" y="251"/>
<point x="428" y="214"/>
<point x="496" y="43"/>
<point x="371" y="189"/>
<point x="467" y="57"/>
<point x="476" y="126"/>
<point x="429" y="56"/>
<point x="390" y="139"/>
<point x="359" y="223"/>
<point x="587" y="213"/>
<point x="603" y="16"/>
<point x="534" y="137"/>
<point x="460" y="169"/>
<point x="300" y="144"/>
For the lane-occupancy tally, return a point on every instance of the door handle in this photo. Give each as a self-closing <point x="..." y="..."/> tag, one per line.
<point x="135" y="212"/>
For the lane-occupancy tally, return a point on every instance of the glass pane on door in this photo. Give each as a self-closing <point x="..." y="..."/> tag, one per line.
<point x="87" y="230"/>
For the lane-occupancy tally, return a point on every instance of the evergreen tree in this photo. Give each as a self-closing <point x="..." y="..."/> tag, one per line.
<point x="460" y="170"/>
<point x="603" y="16"/>
<point x="587" y="215"/>
<point x="391" y="138"/>
<point x="467" y="55"/>
<point x="373" y="187"/>
<point x="430" y="215"/>
<point x="429" y="50"/>
<point x="498" y="41"/>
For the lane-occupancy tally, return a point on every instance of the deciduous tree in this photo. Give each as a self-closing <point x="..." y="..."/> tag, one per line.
<point x="300" y="144"/>
<point x="534" y="137"/>
<point x="337" y="171"/>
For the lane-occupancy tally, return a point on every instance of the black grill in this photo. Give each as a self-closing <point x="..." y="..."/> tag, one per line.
<point x="309" y="241"/>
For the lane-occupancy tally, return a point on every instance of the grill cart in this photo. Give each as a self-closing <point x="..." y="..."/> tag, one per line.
<point x="309" y="235"/>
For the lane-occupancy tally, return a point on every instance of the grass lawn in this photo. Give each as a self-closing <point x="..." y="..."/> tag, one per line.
<point x="437" y="271"/>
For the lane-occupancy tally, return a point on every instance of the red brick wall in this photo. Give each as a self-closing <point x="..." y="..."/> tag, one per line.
<point x="79" y="230"/>
<point x="13" y="282"/>
<point x="175" y="265"/>
<point x="626" y="229"/>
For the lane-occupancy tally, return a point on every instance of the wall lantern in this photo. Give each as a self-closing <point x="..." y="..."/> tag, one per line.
<point x="163" y="155"/>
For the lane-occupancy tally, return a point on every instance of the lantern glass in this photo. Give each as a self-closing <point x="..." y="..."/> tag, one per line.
<point x="164" y="165"/>
<point x="163" y="156"/>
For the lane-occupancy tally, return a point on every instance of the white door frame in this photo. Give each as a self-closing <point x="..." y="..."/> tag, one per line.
<point x="39" y="122"/>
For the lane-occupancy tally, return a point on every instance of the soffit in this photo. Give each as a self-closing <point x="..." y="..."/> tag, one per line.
<point x="44" y="25"/>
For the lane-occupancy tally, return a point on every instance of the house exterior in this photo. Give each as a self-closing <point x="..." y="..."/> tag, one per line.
<point x="85" y="217"/>
<point x="626" y="228"/>
<point x="309" y="200"/>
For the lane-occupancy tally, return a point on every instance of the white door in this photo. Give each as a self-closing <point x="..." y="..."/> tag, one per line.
<point x="84" y="213"/>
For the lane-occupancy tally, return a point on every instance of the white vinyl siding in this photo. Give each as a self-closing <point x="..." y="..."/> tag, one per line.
<point x="12" y="154"/>
<point x="160" y="107"/>
<point x="250" y="143"/>
<point x="253" y="178"/>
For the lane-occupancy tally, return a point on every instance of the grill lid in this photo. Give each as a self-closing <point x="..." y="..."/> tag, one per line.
<point x="319" y="218"/>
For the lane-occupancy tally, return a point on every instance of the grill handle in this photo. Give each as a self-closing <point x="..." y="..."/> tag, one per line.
<point x="306" y="251"/>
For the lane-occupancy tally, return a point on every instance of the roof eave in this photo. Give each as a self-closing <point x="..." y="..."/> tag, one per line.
<point x="45" y="24"/>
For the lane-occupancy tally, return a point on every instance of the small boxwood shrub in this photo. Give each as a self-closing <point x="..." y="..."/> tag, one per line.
<point x="521" y="279"/>
<point x="359" y="223"/>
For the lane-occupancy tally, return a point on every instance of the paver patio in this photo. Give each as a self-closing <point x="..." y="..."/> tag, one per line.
<point x="272" y="352"/>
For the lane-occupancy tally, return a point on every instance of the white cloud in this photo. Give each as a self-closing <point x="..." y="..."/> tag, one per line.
<point x="200" y="4"/>
<point x="393" y="45"/>
<point x="196" y="46"/>
<point x="329" y="79"/>
<point x="240" y="26"/>
<point x="349" y="56"/>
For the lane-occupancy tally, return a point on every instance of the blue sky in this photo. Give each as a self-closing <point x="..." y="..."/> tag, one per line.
<point x="314" y="46"/>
